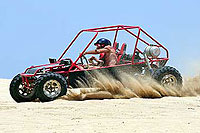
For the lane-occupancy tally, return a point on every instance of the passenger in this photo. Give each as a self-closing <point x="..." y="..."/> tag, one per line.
<point x="106" y="51"/>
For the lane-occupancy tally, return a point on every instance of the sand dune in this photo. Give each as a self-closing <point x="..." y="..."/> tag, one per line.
<point x="167" y="114"/>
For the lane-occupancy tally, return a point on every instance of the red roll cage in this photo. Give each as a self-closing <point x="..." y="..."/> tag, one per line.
<point x="116" y="29"/>
<point x="98" y="30"/>
<point x="106" y="29"/>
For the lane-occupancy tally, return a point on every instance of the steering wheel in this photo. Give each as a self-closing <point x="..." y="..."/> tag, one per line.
<point x="82" y="58"/>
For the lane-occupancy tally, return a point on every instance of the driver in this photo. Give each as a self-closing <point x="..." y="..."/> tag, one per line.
<point x="106" y="51"/>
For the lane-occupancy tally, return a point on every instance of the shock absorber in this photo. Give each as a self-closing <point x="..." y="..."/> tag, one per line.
<point x="153" y="52"/>
<point x="148" y="64"/>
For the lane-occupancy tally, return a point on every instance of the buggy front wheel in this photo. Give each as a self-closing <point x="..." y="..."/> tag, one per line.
<point x="19" y="92"/>
<point x="50" y="86"/>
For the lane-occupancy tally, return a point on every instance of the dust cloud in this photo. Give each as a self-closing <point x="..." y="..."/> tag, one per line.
<point x="105" y="86"/>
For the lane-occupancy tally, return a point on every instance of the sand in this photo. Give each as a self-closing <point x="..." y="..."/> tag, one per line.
<point x="167" y="114"/>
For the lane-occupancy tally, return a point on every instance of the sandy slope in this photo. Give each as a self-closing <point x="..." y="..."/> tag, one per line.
<point x="168" y="114"/>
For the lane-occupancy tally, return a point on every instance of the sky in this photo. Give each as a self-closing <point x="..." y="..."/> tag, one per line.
<point x="31" y="31"/>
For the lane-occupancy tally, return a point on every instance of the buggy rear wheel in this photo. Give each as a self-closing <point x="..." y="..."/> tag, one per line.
<point x="50" y="86"/>
<point x="168" y="76"/>
<point x="19" y="92"/>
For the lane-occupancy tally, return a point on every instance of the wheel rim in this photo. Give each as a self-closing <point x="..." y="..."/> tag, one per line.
<point x="52" y="88"/>
<point x="169" y="80"/>
<point x="25" y="92"/>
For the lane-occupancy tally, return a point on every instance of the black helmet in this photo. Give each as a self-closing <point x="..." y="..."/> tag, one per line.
<point x="103" y="42"/>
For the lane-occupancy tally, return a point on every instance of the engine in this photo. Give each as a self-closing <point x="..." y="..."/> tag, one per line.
<point x="152" y="51"/>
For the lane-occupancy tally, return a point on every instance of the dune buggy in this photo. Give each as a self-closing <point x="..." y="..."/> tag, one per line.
<point x="49" y="81"/>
